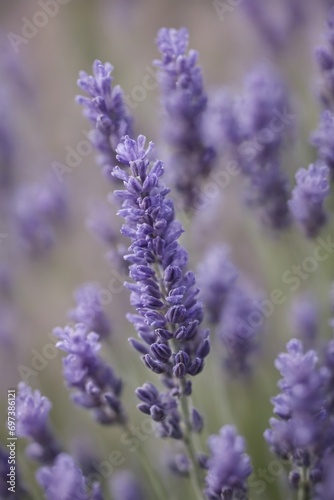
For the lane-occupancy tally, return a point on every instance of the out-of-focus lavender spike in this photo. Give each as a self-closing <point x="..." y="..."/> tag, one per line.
<point x="308" y="197"/>
<point x="125" y="486"/>
<point x="255" y="126"/>
<point x="324" y="56"/>
<point x="239" y="328"/>
<point x="97" y="388"/>
<point x="105" y="108"/>
<point x="185" y="101"/>
<point x="89" y="310"/>
<point x="300" y="431"/>
<point x="229" y="467"/>
<point x="38" y="210"/>
<point x="322" y="139"/>
<point x="64" y="480"/>
<point x="100" y="222"/>
<point x="33" y="423"/>
<point x="304" y="319"/>
<point x="276" y="30"/>
<point x="216" y="278"/>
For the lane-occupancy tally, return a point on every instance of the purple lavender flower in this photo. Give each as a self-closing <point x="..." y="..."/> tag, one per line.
<point x="239" y="327"/>
<point x="96" y="386"/>
<point x="304" y="319"/>
<point x="217" y="277"/>
<point x="125" y="486"/>
<point x="33" y="423"/>
<point x="325" y="58"/>
<point x="228" y="466"/>
<point x="322" y="139"/>
<point x="298" y="434"/>
<point x="65" y="481"/>
<point x="89" y="310"/>
<point x="164" y="293"/>
<point x="255" y="126"/>
<point x="276" y="33"/>
<point x="163" y="409"/>
<point x="38" y="210"/>
<point x="308" y="198"/>
<point x="185" y="102"/>
<point x="106" y="110"/>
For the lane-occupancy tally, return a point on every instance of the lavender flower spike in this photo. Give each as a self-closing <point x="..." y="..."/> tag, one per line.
<point x="308" y="198"/>
<point x="125" y="486"/>
<point x="164" y="294"/>
<point x="106" y="110"/>
<point x="65" y="481"/>
<point x="228" y="466"/>
<point x="325" y="58"/>
<point x="185" y="103"/>
<point x="217" y="277"/>
<point x="298" y="434"/>
<point x="239" y="328"/>
<point x="89" y="310"/>
<point x="95" y="383"/>
<point x="322" y="139"/>
<point x="32" y="422"/>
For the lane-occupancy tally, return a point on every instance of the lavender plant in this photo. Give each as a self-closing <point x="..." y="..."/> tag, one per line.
<point x="187" y="325"/>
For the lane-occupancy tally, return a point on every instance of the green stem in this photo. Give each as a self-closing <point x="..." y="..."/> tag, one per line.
<point x="195" y="471"/>
<point x="157" y="488"/>
<point x="304" y="486"/>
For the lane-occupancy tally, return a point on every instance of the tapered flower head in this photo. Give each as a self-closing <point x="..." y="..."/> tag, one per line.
<point x="228" y="465"/>
<point x="308" y="197"/>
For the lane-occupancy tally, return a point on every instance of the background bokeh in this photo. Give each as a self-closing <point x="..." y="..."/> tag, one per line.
<point x="45" y="121"/>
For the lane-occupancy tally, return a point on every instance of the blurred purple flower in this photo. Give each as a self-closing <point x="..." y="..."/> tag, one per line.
<point x="300" y="433"/>
<point x="33" y="423"/>
<point x="304" y="319"/>
<point x="322" y="139"/>
<point x="216" y="278"/>
<point x="65" y="481"/>
<point x="308" y="198"/>
<point x="125" y="486"/>
<point x="38" y="210"/>
<point x="185" y="102"/>
<point x="239" y="328"/>
<point x="89" y="310"/>
<point x="96" y="386"/>
<point x="228" y="466"/>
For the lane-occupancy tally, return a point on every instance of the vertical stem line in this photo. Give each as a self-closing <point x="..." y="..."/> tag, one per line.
<point x="304" y="486"/>
<point x="195" y="472"/>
